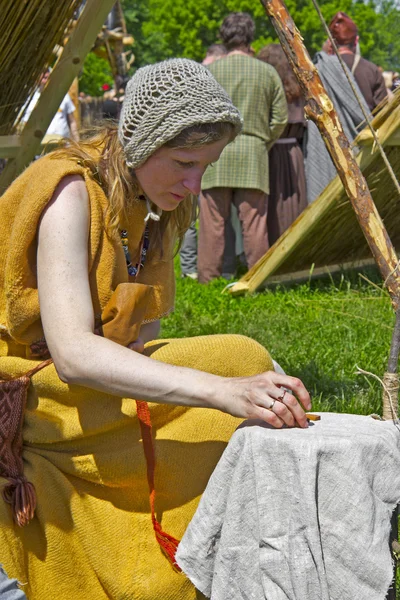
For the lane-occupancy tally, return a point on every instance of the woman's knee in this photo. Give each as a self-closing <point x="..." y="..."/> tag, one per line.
<point x="228" y="355"/>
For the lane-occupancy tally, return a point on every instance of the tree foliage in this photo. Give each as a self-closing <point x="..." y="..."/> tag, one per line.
<point x="96" y="71"/>
<point x="171" y="28"/>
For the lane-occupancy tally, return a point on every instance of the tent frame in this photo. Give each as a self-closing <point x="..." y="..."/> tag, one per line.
<point x="21" y="149"/>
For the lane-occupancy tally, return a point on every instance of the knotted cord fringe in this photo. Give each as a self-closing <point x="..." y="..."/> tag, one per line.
<point x="21" y="496"/>
<point x="18" y="492"/>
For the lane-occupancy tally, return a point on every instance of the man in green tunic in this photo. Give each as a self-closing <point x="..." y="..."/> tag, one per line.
<point x="241" y="175"/>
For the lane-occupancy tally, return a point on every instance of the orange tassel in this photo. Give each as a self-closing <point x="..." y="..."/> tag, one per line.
<point x="167" y="542"/>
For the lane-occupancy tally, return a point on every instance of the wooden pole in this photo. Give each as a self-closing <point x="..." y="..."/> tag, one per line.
<point x="319" y="109"/>
<point x="390" y="400"/>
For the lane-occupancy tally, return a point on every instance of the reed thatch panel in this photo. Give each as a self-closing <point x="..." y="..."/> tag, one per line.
<point x="338" y="238"/>
<point x="29" y="33"/>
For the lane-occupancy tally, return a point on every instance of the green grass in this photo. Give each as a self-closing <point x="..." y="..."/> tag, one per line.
<point x="318" y="331"/>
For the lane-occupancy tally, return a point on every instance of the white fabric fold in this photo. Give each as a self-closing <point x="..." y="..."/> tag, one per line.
<point x="298" y="514"/>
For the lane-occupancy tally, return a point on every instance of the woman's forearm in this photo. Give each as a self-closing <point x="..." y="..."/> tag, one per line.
<point x="98" y="363"/>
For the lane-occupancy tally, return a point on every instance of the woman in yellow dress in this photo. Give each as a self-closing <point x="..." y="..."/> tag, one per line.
<point x="108" y="436"/>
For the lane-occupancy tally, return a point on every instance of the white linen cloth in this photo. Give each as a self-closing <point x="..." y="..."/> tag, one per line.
<point x="298" y="514"/>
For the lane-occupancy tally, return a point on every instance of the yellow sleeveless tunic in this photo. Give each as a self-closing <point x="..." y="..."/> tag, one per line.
<point x="92" y="536"/>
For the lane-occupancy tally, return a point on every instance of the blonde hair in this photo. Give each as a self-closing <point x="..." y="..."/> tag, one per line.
<point x="102" y="152"/>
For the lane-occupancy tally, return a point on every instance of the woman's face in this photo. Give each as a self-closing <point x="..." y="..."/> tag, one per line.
<point x="171" y="174"/>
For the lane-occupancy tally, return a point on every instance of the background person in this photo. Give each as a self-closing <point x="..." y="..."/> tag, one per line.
<point x="233" y="235"/>
<point x="288" y="196"/>
<point x="96" y="224"/>
<point x="188" y="251"/>
<point x="367" y="75"/>
<point x="213" y="53"/>
<point x="319" y="167"/>
<point x="63" y="123"/>
<point x="241" y="176"/>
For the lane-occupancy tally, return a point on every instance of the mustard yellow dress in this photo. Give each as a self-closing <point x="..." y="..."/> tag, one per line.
<point x="92" y="537"/>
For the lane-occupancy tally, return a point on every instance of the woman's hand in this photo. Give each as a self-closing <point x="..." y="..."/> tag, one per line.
<point x="266" y="397"/>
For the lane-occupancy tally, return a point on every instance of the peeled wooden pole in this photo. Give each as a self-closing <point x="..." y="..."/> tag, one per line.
<point x="320" y="110"/>
<point x="391" y="379"/>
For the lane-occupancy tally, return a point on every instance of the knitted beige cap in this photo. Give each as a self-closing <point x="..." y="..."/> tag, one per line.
<point x="163" y="99"/>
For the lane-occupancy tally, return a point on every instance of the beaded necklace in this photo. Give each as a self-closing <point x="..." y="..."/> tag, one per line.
<point x="144" y="246"/>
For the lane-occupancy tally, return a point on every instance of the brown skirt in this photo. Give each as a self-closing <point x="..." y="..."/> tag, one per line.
<point x="288" y="196"/>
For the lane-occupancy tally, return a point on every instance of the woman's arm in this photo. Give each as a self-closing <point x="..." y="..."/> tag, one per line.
<point x="81" y="357"/>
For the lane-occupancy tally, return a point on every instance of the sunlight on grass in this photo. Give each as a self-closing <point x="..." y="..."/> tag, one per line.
<point x="318" y="331"/>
